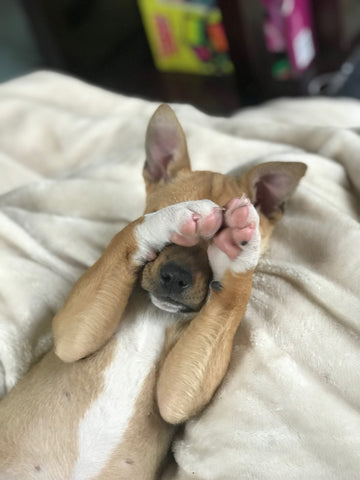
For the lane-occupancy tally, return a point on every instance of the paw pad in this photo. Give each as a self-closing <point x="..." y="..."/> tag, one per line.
<point x="237" y="245"/>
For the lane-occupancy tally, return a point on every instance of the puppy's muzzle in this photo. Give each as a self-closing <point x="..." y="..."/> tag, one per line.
<point x="174" y="279"/>
<point x="173" y="283"/>
<point x="178" y="279"/>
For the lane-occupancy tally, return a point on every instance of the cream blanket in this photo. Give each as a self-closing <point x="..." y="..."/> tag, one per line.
<point x="70" y="177"/>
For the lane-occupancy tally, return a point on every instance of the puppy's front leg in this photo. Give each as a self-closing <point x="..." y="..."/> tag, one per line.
<point x="98" y="299"/>
<point x="197" y="363"/>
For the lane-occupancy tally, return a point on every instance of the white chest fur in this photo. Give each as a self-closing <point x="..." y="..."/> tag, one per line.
<point x="139" y="343"/>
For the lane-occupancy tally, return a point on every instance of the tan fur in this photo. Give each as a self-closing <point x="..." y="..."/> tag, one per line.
<point x="97" y="301"/>
<point x="38" y="404"/>
<point x="195" y="357"/>
<point x="148" y="436"/>
<point x="147" y="439"/>
<point x="198" y="361"/>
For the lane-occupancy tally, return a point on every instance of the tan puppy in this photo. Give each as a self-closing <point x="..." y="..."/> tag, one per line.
<point x="146" y="335"/>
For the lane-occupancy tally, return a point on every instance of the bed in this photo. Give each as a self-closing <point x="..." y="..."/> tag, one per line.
<point x="71" y="157"/>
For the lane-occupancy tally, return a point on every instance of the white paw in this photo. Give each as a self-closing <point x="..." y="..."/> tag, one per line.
<point x="183" y="223"/>
<point x="237" y="246"/>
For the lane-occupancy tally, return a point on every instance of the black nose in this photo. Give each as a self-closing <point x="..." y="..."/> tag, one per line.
<point x="174" y="279"/>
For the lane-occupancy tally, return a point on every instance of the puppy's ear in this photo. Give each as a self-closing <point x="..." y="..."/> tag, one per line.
<point x="166" y="149"/>
<point x="270" y="184"/>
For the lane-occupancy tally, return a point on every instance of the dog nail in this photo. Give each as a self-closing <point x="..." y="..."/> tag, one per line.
<point x="196" y="216"/>
<point x="243" y="243"/>
<point x="216" y="286"/>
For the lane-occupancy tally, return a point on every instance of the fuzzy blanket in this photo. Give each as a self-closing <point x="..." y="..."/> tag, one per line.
<point x="71" y="157"/>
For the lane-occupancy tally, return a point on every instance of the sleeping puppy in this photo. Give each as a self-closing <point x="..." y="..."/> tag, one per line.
<point x="145" y="337"/>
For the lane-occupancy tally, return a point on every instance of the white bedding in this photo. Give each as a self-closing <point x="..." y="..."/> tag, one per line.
<point x="70" y="177"/>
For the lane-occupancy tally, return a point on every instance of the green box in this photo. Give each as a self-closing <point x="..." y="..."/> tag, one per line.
<point x="186" y="37"/>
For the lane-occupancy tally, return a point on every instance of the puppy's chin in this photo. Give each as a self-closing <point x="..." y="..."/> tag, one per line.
<point x="169" y="305"/>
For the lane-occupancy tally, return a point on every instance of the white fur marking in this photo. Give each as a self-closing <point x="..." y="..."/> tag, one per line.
<point x="139" y="344"/>
<point x="154" y="233"/>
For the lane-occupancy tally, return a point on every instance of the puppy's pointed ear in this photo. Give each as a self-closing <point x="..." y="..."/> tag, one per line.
<point x="166" y="149"/>
<point x="270" y="185"/>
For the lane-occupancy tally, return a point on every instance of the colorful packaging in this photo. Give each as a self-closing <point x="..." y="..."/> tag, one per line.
<point x="186" y="36"/>
<point x="288" y="30"/>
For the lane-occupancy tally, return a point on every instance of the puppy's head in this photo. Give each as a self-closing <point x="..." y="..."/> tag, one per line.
<point x="178" y="279"/>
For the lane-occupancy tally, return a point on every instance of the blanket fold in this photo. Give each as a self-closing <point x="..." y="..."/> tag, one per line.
<point x="71" y="158"/>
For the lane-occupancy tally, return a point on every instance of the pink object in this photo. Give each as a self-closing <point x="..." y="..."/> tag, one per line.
<point x="299" y="33"/>
<point x="203" y="53"/>
<point x="289" y="28"/>
<point x="274" y="37"/>
<point x="167" y="41"/>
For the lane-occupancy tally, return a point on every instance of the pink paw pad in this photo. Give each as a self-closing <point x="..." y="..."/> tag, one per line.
<point x="198" y="227"/>
<point x="238" y="229"/>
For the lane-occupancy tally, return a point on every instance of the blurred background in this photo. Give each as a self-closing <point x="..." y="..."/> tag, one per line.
<point x="217" y="55"/>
